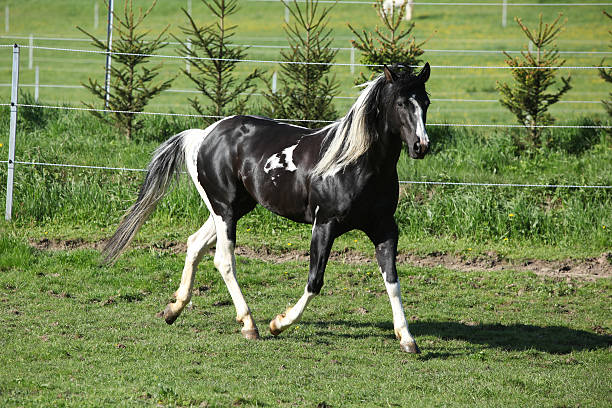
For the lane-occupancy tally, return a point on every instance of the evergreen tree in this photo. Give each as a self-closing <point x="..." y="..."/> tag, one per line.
<point x="606" y="75"/>
<point x="306" y="87"/>
<point x="527" y="98"/>
<point x="214" y="63"/>
<point x="132" y="83"/>
<point x="391" y="44"/>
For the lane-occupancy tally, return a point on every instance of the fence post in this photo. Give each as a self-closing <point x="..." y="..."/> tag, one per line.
<point x="36" y="83"/>
<point x="274" y="79"/>
<point x="12" y="132"/>
<point x="6" y="18"/>
<point x="31" y="52"/>
<point x="109" y="47"/>
<point x="352" y="59"/>
<point x="504" y="12"/>
<point x="286" y="13"/>
<point x="96" y="15"/>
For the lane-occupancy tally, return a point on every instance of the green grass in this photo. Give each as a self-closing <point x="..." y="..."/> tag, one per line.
<point x="78" y="334"/>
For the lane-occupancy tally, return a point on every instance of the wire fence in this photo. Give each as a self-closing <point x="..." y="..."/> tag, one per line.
<point x="13" y="105"/>
<point x="262" y="46"/>
<point x="338" y="64"/>
<point x="195" y="91"/>
<point x="441" y="183"/>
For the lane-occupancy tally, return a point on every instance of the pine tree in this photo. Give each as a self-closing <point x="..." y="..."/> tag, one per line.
<point x="214" y="61"/>
<point x="527" y="99"/>
<point x="306" y="87"/>
<point x="606" y="75"/>
<point x="391" y="44"/>
<point x="132" y="83"/>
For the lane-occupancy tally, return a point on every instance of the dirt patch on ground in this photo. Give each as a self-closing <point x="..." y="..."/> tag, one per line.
<point x="586" y="269"/>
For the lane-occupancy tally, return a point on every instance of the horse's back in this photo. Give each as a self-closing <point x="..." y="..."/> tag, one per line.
<point x="261" y="158"/>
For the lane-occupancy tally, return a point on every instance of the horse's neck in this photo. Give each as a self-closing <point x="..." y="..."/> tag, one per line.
<point x="384" y="154"/>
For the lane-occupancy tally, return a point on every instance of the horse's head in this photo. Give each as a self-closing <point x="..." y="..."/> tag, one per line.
<point x="406" y="107"/>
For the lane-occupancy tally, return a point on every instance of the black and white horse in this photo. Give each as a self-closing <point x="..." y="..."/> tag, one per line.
<point x="337" y="178"/>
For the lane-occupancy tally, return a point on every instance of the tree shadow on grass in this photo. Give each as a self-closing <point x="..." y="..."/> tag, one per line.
<point x="514" y="337"/>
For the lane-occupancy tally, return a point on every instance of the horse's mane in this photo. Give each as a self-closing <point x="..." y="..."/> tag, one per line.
<point x="353" y="135"/>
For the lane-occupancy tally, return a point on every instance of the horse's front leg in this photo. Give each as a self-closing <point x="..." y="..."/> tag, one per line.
<point x="384" y="238"/>
<point x="322" y="239"/>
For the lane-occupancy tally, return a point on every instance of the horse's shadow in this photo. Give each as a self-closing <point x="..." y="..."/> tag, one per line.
<point x="513" y="337"/>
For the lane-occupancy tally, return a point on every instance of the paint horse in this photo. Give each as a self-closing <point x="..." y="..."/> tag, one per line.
<point x="337" y="178"/>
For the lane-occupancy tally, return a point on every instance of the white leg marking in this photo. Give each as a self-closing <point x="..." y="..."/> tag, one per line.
<point x="399" y="319"/>
<point x="197" y="244"/>
<point x="225" y="261"/>
<point x="292" y="315"/>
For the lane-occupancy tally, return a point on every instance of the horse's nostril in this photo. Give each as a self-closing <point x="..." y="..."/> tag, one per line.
<point x="417" y="147"/>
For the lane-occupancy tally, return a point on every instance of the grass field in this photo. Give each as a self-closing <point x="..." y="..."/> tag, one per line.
<point x="75" y="333"/>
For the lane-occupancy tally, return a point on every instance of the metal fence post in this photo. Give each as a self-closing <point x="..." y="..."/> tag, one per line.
<point x="31" y="52"/>
<point x="109" y="47"/>
<point x="12" y="132"/>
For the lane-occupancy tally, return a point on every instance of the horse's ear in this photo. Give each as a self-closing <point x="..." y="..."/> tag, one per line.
<point x="389" y="75"/>
<point x="424" y="74"/>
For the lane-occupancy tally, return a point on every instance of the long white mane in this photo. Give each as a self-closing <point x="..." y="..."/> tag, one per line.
<point x="350" y="136"/>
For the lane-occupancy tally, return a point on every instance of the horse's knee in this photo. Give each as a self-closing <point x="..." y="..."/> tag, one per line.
<point x="315" y="285"/>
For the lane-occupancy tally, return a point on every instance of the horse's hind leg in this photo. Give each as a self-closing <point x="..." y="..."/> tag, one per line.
<point x="197" y="244"/>
<point x="225" y="262"/>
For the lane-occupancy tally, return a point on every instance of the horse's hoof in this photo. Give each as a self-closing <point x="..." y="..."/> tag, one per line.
<point x="169" y="315"/>
<point x="411" y="348"/>
<point x="275" y="326"/>
<point x="250" y="334"/>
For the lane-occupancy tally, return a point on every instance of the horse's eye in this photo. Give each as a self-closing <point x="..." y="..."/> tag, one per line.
<point x="400" y="104"/>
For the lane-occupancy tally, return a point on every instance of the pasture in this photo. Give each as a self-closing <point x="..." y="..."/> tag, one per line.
<point x="77" y="334"/>
<point x="507" y="290"/>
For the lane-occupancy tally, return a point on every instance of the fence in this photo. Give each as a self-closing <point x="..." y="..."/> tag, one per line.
<point x="14" y="104"/>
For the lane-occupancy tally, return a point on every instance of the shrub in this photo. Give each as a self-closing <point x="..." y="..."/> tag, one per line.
<point x="132" y="86"/>
<point x="214" y="75"/>
<point x="306" y="90"/>
<point x="527" y="98"/>
<point x="390" y="45"/>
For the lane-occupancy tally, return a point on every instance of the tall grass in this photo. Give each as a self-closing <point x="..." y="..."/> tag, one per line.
<point x="93" y="200"/>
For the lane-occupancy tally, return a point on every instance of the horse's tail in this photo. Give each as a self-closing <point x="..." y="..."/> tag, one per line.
<point x="165" y="166"/>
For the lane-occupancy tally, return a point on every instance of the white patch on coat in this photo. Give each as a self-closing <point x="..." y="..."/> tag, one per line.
<point x="192" y="140"/>
<point x="289" y="157"/>
<point x="315" y="219"/>
<point x="275" y="161"/>
<point x="420" y="126"/>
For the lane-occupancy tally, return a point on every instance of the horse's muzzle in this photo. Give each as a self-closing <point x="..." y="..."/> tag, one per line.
<point x="419" y="149"/>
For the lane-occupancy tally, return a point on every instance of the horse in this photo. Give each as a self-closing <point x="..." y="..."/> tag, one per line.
<point x="390" y="5"/>
<point x="338" y="178"/>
